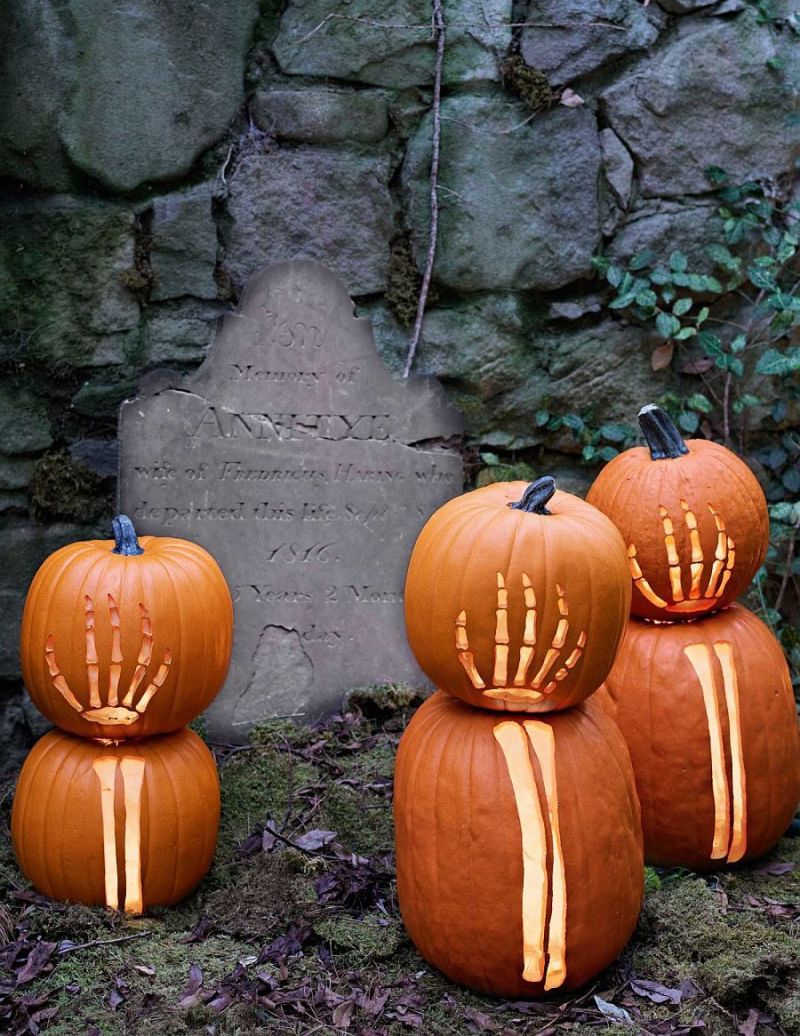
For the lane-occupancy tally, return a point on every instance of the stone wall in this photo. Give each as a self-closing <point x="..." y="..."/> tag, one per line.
<point x="154" y="156"/>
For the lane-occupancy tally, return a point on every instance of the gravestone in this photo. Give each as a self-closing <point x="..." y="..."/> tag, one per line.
<point x="308" y="471"/>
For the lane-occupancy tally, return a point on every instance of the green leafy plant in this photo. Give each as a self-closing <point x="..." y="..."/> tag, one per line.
<point x="738" y="332"/>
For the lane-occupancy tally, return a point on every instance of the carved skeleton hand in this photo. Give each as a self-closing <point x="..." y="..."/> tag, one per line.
<point x="698" y="600"/>
<point x="521" y="690"/>
<point x="113" y="712"/>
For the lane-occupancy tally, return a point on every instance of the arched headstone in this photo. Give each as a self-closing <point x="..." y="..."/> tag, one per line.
<point x="307" y="470"/>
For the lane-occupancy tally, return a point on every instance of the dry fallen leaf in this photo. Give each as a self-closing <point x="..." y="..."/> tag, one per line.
<point x="661" y="356"/>
<point x="570" y="99"/>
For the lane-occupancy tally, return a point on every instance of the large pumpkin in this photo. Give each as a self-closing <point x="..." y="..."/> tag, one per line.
<point x="693" y="517"/>
<point x="121" y="639"/>
<point x="708" y="713"/>
<point x="516" y="597"/>
<point x="129" y="825"/>
<point x="519" y="849"/>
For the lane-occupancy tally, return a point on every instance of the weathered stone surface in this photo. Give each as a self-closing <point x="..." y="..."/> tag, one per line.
<point x="292" y="455"/>
<point x="180" y="332"/>
<point x="311" y="203"/>
<point x="25" y="546"/>
<point x="15" y="472"/>
<point x="184" y="245"/>
<point x="665" y="226"/>
<point x="24" y="424"/>
<point x="35" y="64"/>
<point x="617" y="166"/>
<point x="586" y="34"/>
<point x="518" y="203"/>
<point x="499" y="363"/>
<point x="322" y="116"/>
<point x="690" y="6"/>
<point x="98" y="455"/>
<point x="707" y="99"/>
<point x="63" y="263"/>
<point x="389" y="43"/>
<point x="154" y="85"/>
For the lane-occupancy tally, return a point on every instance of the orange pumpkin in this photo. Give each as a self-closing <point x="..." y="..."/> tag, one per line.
<point x="519" y="847"/>
<point x="131" y="824"/>
<point x="708" y="713"/>
<point x="693" y="517"/>
<point x="121" y="639"/>
<point x="516" y="597"/>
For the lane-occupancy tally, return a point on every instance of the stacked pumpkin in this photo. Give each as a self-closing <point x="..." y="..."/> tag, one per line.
<point x="123" y="643"/>
<point x="700" y="688"/>
<point x="519" y="848"/>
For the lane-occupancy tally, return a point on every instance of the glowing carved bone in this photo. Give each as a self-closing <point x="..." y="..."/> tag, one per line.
<point x="113" y="711"/>
<point x="521" y="691"/>
<point x="726" y="843"/>
<point x="132" y="771"/>
<point x="724" y="558"/>
<point x="516" y="748"/>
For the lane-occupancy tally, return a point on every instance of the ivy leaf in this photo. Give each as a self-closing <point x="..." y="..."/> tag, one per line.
<point x="738" y="343"/>
<point x="773" y="362"/>
<point x="573" y="421"/>
<point x="616" y="432"/>
<point x="641" y="260"/>
<point x="607" y="453"/>
<point x="660" y="276"/>
<point x="541" y="417"/>
<point x="647" y="299"/>
<point x="699" y="402"/>
<point x="684" y="333"/>
<point x="678" y="262"/>
<point x="682" y="306"/>
<point x="688" y="421"/>
<point x="589" y="452"/>
<point x="667" y="325"/>
<point x="614" y="276"/>
<point x="761" y="279"/>
<point x="791" y="479"/>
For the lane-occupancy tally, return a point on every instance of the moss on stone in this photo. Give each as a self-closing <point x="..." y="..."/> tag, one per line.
<point x="63" y="490"/>
<point x="521" y="471"/>
<point x="404" y="283"/>
<point x="529" y="84"/>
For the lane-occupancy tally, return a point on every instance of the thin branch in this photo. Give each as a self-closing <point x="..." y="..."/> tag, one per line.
<point x="439" y="34"/>
<point x="104" y="942"/>
<point x="425" y="26"/>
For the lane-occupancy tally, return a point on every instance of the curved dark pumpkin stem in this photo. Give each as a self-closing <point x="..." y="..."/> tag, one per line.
<point x="663" y="439"/>
<point x="534" y="499"/>
<point x="125" y="541"/>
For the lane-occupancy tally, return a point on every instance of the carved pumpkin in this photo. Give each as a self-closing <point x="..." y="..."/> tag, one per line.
<point x="708" y="712"/>
<point x="121" y="639"/>
<point x="693" y="517"/>
<point x="131" y="824"/>
<point x="519" y="849"/>
<point x="516" y="597"/>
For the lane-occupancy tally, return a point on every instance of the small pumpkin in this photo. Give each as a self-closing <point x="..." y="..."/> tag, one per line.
<point x="129" y="824"/>
<point x="519" y="847"/>
<point x="122" y="639"/>
<point x="693" y="517"/>
<point x="516" y="597"/>
<point x="708" y="713"/>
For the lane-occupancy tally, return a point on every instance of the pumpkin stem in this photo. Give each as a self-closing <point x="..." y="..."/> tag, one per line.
<point x="125" y="541"/>
<point x="663" y="439"/>
<point x="534" y="499"/>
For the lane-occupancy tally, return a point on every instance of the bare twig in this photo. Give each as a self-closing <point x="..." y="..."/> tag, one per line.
<point x="104" y="942"/>
<point x="439" y="34"/>
<point x="787" y="569"/>
<point x="424" y="26"/>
